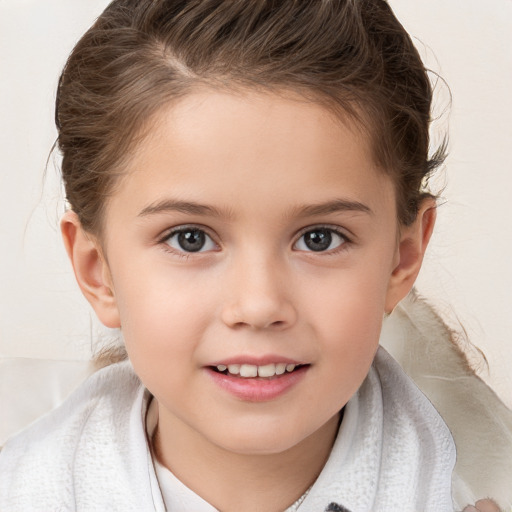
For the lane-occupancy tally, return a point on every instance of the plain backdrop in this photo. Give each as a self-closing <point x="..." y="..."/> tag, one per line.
<point x="467" y="275"/>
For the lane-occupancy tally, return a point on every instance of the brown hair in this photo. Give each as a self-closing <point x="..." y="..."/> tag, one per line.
<point x="141" y="54"/>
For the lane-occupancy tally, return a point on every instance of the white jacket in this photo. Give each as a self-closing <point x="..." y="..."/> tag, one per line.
<point x="393" y="452"/>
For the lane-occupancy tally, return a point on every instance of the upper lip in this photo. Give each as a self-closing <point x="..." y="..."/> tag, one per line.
<point x="256" y="360"/>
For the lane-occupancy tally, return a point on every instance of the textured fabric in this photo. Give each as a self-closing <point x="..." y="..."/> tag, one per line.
<point x="90" y="454"/>
<point x="479" y="421"/>
<point x="393" y="452"/>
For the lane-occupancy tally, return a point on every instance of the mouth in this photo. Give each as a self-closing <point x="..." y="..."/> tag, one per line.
<point x="257" y="382"/>
<point x="251" y="371"/>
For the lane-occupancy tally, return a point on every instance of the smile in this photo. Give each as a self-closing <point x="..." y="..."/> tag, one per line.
<point x="247" y="371"/>
<point x="257" y="383"/>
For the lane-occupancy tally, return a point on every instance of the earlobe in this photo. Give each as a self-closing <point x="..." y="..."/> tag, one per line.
<point x="91" y="269"/>
<point x="413" y="243"/>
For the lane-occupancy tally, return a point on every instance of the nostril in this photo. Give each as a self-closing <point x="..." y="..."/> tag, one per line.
<point x="279" y="324"/>
<point x="259" y="313"/>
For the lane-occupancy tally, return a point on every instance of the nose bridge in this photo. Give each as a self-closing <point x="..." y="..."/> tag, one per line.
<point x="258" y="296"/>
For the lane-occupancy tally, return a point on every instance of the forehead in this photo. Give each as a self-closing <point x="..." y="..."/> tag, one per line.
<point x="237" y="144"/>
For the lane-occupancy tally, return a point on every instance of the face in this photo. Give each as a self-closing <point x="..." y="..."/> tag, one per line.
<point x="251" y="248"/>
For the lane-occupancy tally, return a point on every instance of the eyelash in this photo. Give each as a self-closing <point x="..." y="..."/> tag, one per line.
<point x="164" y="240"/>
<point x="332" y="252"/>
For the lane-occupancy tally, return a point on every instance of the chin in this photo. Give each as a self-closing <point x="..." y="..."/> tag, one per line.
<point x="272" y="438"/>
<point x="259" y="441"/>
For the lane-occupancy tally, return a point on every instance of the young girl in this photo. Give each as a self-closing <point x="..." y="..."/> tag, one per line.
<point x="246" y="183"/>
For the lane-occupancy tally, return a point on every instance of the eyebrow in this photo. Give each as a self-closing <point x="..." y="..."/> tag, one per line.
<point x="191" y="208"/>
<point x="334" y="206"/>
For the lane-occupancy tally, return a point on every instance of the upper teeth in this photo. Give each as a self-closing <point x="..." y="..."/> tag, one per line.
<point x="251" y="370"/>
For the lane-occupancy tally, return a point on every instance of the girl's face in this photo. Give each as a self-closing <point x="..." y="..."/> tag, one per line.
<point x="251" y="233"/>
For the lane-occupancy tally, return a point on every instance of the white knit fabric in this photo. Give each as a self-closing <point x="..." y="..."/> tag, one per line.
<point x="393" y="452"/>
<point x="90" y="454"/>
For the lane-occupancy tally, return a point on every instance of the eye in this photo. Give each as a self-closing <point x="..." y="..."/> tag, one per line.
<point x="190" y="240"/>
<point x="320" y="240"/>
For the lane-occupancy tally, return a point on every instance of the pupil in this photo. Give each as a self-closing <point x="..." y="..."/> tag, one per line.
<point x="192" y="240"/>
<point x="318" y="240"/>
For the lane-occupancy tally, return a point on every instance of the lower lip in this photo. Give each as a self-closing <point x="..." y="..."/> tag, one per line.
<point x="258" y="389"/>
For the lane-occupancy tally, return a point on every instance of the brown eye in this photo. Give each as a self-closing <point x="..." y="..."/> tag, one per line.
<point x="320" y="240"/>
<point x="190" y="240"/>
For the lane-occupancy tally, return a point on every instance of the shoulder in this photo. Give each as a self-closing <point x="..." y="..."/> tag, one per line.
<point x="407" y="411"/>
<point x="480" y="423"/>
<point x="41" y="457"/>
<point x="115" y="384"/>
<point x="400" y="394"/>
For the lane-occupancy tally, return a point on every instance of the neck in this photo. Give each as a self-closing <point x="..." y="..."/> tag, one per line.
<point x="232" y="481"/>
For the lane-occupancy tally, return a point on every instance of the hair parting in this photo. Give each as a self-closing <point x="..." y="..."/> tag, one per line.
<point x="351" y="55"/>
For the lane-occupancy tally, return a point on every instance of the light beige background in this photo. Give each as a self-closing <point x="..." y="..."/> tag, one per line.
<point x="468" y="272"/>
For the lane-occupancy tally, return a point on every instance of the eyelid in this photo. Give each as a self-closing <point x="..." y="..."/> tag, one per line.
<point x="183" y="227"/>
<point x="335" y="229"/>
<point x="345" y="233"/>
<point x="170" y="232"/>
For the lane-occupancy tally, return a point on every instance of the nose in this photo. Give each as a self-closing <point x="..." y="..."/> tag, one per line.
<point x="259" y="296"/>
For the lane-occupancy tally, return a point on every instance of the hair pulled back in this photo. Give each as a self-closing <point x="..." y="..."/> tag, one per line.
<point x="142" y="54"/>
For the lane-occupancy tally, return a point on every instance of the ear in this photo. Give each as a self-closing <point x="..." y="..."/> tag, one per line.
<point x="411" y="249"/>
<point x="91" y="269"/>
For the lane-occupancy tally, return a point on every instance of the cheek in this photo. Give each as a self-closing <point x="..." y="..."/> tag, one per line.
<point x="350" y="301"/>
<point x="160" y="318"/>
<point x="353" y="332"/>
<point x="347" y="319"/>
